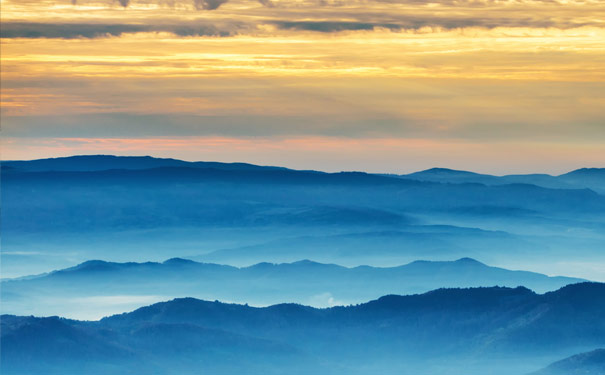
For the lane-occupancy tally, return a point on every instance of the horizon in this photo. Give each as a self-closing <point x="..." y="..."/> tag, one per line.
<point x="379" y="86"/>
<point x="402" y="172"/>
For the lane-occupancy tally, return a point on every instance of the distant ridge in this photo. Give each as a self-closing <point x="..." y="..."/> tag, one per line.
<point x="436" y="171"/>
<point x="176" y="263"/>
<point x="304" y="281"/>
<point x="100" y="162"/>
<point x="586" y="172"/>
<point x="90" y="163"/>
<point x="593" y="178"/>
<point x="446" y="173"/>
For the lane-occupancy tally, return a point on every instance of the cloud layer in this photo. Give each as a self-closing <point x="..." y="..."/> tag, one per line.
<point x="248" y="17"/>
<point x="97" y="30"/>
<point x="480" y="72"/>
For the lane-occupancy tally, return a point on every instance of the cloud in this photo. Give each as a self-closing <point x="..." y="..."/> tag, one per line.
<point x="100" y="30"/>
<point x="229" y="28"/>
<point x="332" y="26"/>
<point x="208" y="4"/>
<point x="66" y="31"/>
<point x="81" y="30"/>
<point x="198" y="4"/>
<point x="460" y="3"/>
<point x="410" y="22"/>
<point x="308" y="15"/>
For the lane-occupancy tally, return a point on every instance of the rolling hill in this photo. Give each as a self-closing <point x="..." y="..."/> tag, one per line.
<point x="440" y="332"/>
<point x="62" y="292"/>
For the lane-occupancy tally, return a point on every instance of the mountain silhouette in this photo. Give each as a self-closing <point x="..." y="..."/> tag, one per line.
<point x="392" y="334"/>
<point x="89" y="163"/>
<point x="580" y="178"/>
<point x="304" y="282"/>
<point x="591" y="178"/>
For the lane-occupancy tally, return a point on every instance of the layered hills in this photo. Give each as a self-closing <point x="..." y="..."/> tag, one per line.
<point x="506" y="330"/>
<point x="72" y="292"/>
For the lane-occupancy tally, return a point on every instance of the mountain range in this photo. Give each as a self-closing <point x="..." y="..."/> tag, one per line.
<point x="64" y="292"/>
<point x="57" y="212"/>
<point x="591" y="178"/>
<point x="235" y="232"/>
<point x="479" y="330"/>
<point x="90" y="163"/>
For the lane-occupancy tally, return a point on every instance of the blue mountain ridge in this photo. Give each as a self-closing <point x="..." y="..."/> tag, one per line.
<point x="262" y="284"/>
<point x="392" y="334"/>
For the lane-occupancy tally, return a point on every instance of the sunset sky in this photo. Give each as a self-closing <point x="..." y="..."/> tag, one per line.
<point x="510" y="86"/>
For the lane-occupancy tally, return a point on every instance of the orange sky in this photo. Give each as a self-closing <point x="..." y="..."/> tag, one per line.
<point x="500" y="86"/>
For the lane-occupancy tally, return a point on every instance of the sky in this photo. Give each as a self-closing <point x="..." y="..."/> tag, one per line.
<point x="495" y="86"/>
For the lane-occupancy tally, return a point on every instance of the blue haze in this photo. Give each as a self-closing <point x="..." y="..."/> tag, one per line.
<point x="291" y="259"/>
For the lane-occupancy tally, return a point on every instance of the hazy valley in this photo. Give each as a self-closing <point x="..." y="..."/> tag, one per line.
<point x="464" y="273"/>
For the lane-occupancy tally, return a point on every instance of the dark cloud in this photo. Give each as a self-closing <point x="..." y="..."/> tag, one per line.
<point x="331" y="26"/>
<point x="229" y="28"/>
<point x="208" y="4"/>
<point x="199" y="4"/>
<point x="464" y="3"/>
<point x="417" y="22"/>
<point x="81" y="30"/>
<point x="66" y="31"/>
